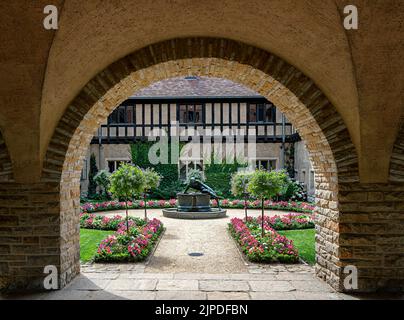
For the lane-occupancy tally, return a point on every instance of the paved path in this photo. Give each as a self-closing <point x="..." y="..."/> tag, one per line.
<point x="220" y="273"/>
<point x="209" y="238"/>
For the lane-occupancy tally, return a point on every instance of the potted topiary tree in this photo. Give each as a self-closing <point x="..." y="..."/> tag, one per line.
<point x="266" y="185"/>
<point x="239" y="184"/>
<point x="127" y="182"/>
<point x="152" y="181"/>
<point x="103" y="182"/>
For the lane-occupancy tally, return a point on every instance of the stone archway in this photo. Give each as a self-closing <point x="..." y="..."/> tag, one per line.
<point x="318" y="122"/>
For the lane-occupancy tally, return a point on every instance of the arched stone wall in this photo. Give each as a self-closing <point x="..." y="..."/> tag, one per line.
<point x="330" y="147"/>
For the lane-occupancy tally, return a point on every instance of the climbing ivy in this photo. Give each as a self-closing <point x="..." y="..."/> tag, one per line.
<point x="218" y="175"/>
<point x="169" y="184"/>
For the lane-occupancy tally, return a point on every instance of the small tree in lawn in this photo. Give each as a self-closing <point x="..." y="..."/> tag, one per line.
<point x="239" y="184"/>
<point x="266" y="185"/>
<point x="127" y="182"/>
<point x="152" y="181"/>
<point x="102" y="181"/>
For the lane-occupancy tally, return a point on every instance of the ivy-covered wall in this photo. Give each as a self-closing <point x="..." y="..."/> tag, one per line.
<point x="169" y="184"/>
<point x="217" y="176"/>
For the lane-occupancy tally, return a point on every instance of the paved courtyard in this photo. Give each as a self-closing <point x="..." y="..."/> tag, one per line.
<point x="171" y="273"/>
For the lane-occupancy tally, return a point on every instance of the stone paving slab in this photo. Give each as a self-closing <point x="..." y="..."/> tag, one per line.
<point x="133" y="275"/>
<point x="224" y="285"/>
<point x="124" y="295"/>
<point x="87" y="284"/>
<point x="132" y="285"/>
<point x="272" y="296"/>
<point x="202" y="276"/>
<point x="271" y="286"/>
<point x="173" y="285"/>
<point x="180" y="295"/>
<point x="311" y="286"/>
<point x="220" y="295"/>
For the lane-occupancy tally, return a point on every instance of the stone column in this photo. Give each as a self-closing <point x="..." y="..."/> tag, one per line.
<point x="372" y="234"/>
<point x="30" y="234"/>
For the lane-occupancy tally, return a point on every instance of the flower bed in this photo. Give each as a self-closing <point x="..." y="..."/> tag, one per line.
<point x="93" y="221"/>
<point x="121" y="246"/>
<point x="290" y="221"/>
<point x="271" y="248"/>
<point x="225" y="203"/>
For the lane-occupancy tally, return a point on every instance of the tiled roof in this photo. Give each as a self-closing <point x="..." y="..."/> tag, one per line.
<point x="195" y="87"/>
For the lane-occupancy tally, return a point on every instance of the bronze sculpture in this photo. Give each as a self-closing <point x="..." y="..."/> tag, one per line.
<point x="201" y="187"/>
<point x="195" y="205"/>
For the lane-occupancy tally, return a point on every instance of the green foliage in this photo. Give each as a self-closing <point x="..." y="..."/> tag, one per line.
<point x="196" y="174"/>
<point x="218" y="177"/>
<point x="89" y="241"/>
<point x="293" y="191"/>
<point x="169" y="183"/>
<point x="127" y="182"/>
<point x="267" y="184"/>
<point x="152" y="179"/>
<point x="102" y="181"/>
<point x="304" y="241"/>
<point x="92" y="185"/>
<point x="140" y="153"/>
<point x="239" y="183"/>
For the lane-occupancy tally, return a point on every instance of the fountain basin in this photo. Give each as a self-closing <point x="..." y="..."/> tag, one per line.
<point x="194" y="206"/>
<point x="214" y="213"/>
<point x="193" y="202"/>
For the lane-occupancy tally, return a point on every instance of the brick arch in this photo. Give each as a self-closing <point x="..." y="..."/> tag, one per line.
<point x="397" y="157"/>
<point x="331" y="150"/>
<point x="6" y="167"/>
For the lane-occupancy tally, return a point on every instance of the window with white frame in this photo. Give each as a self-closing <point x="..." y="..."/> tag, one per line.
<point x="266" y="164"/>
<point x="114" y="164"/>
<point x="303" y="176"/>
<point x="312" y="178"/>
<point x="84" y="171"/>
<point x="185" y="165"/>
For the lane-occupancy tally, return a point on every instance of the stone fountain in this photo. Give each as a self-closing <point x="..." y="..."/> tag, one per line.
<point x="195" y="205"/>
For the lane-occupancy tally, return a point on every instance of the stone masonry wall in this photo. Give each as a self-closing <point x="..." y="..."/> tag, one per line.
<point x="372" y="234"/>
<point x="29" y="233"/>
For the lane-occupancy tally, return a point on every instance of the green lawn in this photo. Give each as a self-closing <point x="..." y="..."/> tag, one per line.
<point x="304" y="242"/>
<point x="89" y="241"/>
